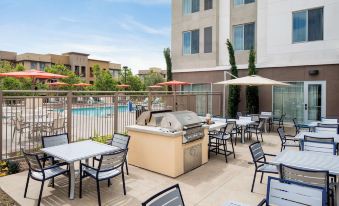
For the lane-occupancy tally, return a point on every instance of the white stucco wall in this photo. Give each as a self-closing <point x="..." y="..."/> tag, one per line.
<point x="224" y="31"/>
<point x="275" y="47"/>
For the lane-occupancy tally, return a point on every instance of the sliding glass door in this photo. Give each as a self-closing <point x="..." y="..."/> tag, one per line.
<point x="304" y="101"/>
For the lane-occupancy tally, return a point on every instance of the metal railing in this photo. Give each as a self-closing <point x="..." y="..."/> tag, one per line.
<point x="27" y="115"/>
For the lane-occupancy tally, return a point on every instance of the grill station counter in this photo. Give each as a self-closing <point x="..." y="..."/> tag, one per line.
<point x="169" y="143"/>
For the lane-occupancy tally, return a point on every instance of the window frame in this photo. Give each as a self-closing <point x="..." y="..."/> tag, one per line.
<point x="243" y="35"/>
<point x="306" y="29"/>
<point x="190" y="47"/>
<point x="206" y="9"/>
<point x="210" y="51"/>
<point x="190" y="8"/>
<point x="242" y="4"/>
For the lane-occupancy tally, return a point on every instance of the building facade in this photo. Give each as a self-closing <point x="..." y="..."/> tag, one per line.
<point x="295" y="42"/>
<point x="80" y="63"/>
<point x="143" y="73"/>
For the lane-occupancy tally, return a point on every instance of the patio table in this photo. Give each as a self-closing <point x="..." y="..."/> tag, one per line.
<point x="77" y="151"/>
<point x="243" y="124"/>
<point x="311" y="161"/>
<point x="301" y="135"/>
<point x="216" y="125"/>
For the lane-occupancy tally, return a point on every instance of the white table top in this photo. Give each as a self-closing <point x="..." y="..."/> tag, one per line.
<point x="216" y="126"/>
<point x="241" y="122"/>
<point x="79" y="150"/>
<point x="301" y="135"/>
<point x="308" y="160"/>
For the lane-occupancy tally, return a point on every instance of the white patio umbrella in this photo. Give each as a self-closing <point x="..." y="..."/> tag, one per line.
<point x="253" y="80"/>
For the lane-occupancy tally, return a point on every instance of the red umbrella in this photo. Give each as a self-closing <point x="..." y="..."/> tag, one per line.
<point x="155" y="87"/>
<point x="174" y="83"/>
<point x="123" y="86"/>
<point x="34" y="74"/>
<point x="82" y="85"/>
<point x="57" y="84"/>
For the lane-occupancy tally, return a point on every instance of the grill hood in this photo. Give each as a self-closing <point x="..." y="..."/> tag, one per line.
<point x="180" y="120"/>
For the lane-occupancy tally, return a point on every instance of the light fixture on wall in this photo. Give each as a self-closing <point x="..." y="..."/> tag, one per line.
<point x="313" y="72"/>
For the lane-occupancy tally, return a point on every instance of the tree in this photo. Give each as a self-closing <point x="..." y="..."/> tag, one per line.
<point x="103" y="80"/>
<point x="63" y="70"/>
<point x="153" y="78"/>
<point x="252" y="93"/>
<point x="10" y="83"/>
<point x="234" y="91"/>
<point x="167" y="55"/>
<point x="134" y="81"/>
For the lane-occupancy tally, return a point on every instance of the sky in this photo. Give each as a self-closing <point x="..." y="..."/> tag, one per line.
<point x="130" y="32"/>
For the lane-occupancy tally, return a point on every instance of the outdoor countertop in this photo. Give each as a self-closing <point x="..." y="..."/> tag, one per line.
<point x="154" y="130"/>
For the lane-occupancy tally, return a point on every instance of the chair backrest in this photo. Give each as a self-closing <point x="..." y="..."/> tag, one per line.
<point x="285" y="192"/>
<point x="33" y="161"/>
<point x="112" y="161"/>
<point x="120" y="140"/>
<point x="257" y="152"/>
<point x="58" y="123"/>
<point x="229" y="127"/>
<point x="245" y="118"/>
<point x="266" y="113"/>
<point x="255" y="118"/>
<point x="318" y="178"/>
<point x="296" y="126"/>
<point x="261" y="124"/>
<point x="239" y="114"/>
<point x="168" y="197"/>
<point x="281" y="133"/>
<point x="327" y="128"/>
<point x="329" y="121"/>
<point x="54" y="140"/>
<point x="281" y="120"/>
<point x="320" y="145"/>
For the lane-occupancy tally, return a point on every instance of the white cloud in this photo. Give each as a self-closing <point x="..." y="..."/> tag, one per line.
<point x="130" y="24"/>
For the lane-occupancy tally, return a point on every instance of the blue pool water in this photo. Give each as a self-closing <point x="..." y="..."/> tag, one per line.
<point x="97" y="111"/>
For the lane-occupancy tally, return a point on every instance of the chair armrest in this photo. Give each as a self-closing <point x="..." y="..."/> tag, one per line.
<point x="85" y="165"/>
<point x="294" y="140"/>
<point x="272" y="155"/>
<point x="263" y="202"/>
<point x="287" y="135"/>
<point x="55" y="165"/>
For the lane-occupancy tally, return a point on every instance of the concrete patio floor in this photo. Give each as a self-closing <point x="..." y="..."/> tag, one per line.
<point x="211" y="184"/>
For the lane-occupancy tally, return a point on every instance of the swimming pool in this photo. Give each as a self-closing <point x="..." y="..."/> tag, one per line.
<point x="97" y="111"/>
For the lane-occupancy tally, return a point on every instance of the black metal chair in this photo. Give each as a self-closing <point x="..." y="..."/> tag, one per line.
<point x="168" y="197"/>
<point x="313" y="177"/>
<point x="121" y="141"/>
<point x="260" y="162"/>
<point x="281" y="121"/>
<point x="287" y="140"/>
<point x="39" y="173"/>
<point x="54" y="140"/>
<point x="110" y="165"/>
<point x="239" y="114"/>
<point x="320" y="145"/>
<point x="221" y="139"/>
<point x="327" y="128"/>
<point x="256" y="129"/>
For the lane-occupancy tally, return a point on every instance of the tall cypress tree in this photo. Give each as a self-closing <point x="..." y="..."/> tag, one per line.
<point x="234" y="91"/>
<point x="167" y="55"/>
<point x="252" y="92"/>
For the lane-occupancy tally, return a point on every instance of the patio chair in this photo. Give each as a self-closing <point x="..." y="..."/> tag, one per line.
<point x="221" y="139"/>
<point x="260" y="162"/>
<point x="58" y="125"/>
<point x="110" y="165"/>
<point x="239" y="114"/>
<point x="168" y="197"/>
<point x="320" y="145"/>
<point x="287" y="140"/>
<point x="327" y="128"/>
<point x="121" y="141"/>
<point x="256" y="119"/>
<point x="329" y="121"/>
<point x="19" y="127"/>
<point x="39" y="173"/>
<point x="313" y="177"/>
<point x="54" y="140"/>
<point x="281" y="121"/>
<point x="270" y="122"/>
<point x="285" y="192"/>
<point x="256" y="129"/>
<point x="236" y="130"/>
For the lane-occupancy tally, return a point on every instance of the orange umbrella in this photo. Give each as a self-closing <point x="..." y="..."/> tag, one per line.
<point x="173" y="83"/>
<point x="155" y="87"/>
<point x="123" y="86"/>
<point x="34" y="74"/>
<point x="82" y="85"/>
<point x="57" y="84"/>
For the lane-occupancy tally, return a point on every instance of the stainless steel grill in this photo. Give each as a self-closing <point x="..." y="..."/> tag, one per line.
<point x="185" y="121"/>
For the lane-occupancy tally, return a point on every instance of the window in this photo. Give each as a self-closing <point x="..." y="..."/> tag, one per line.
<point x="191" y="42"/>
<point x="191" y="6"/>
<point x="243" y="36"/>
<point x="33" y="65"/>
<point x="208" y="4"/>
<point x="308" y="25"/>
<point x="241" y="2"/>
<point x="76" y="70"/>
<point x="208" y="40"/>
<point x="91" y="73"/>
<point x="83" y="71"/>
<point x="42" y="66"/>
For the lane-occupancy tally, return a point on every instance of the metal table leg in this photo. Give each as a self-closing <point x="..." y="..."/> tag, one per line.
<point x="72" y="183"/>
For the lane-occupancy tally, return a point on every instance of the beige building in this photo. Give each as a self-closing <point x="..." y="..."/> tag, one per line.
<point x="80" y="63"/>
<point x="294" y="41"/>
<point x="143" y="73"/>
